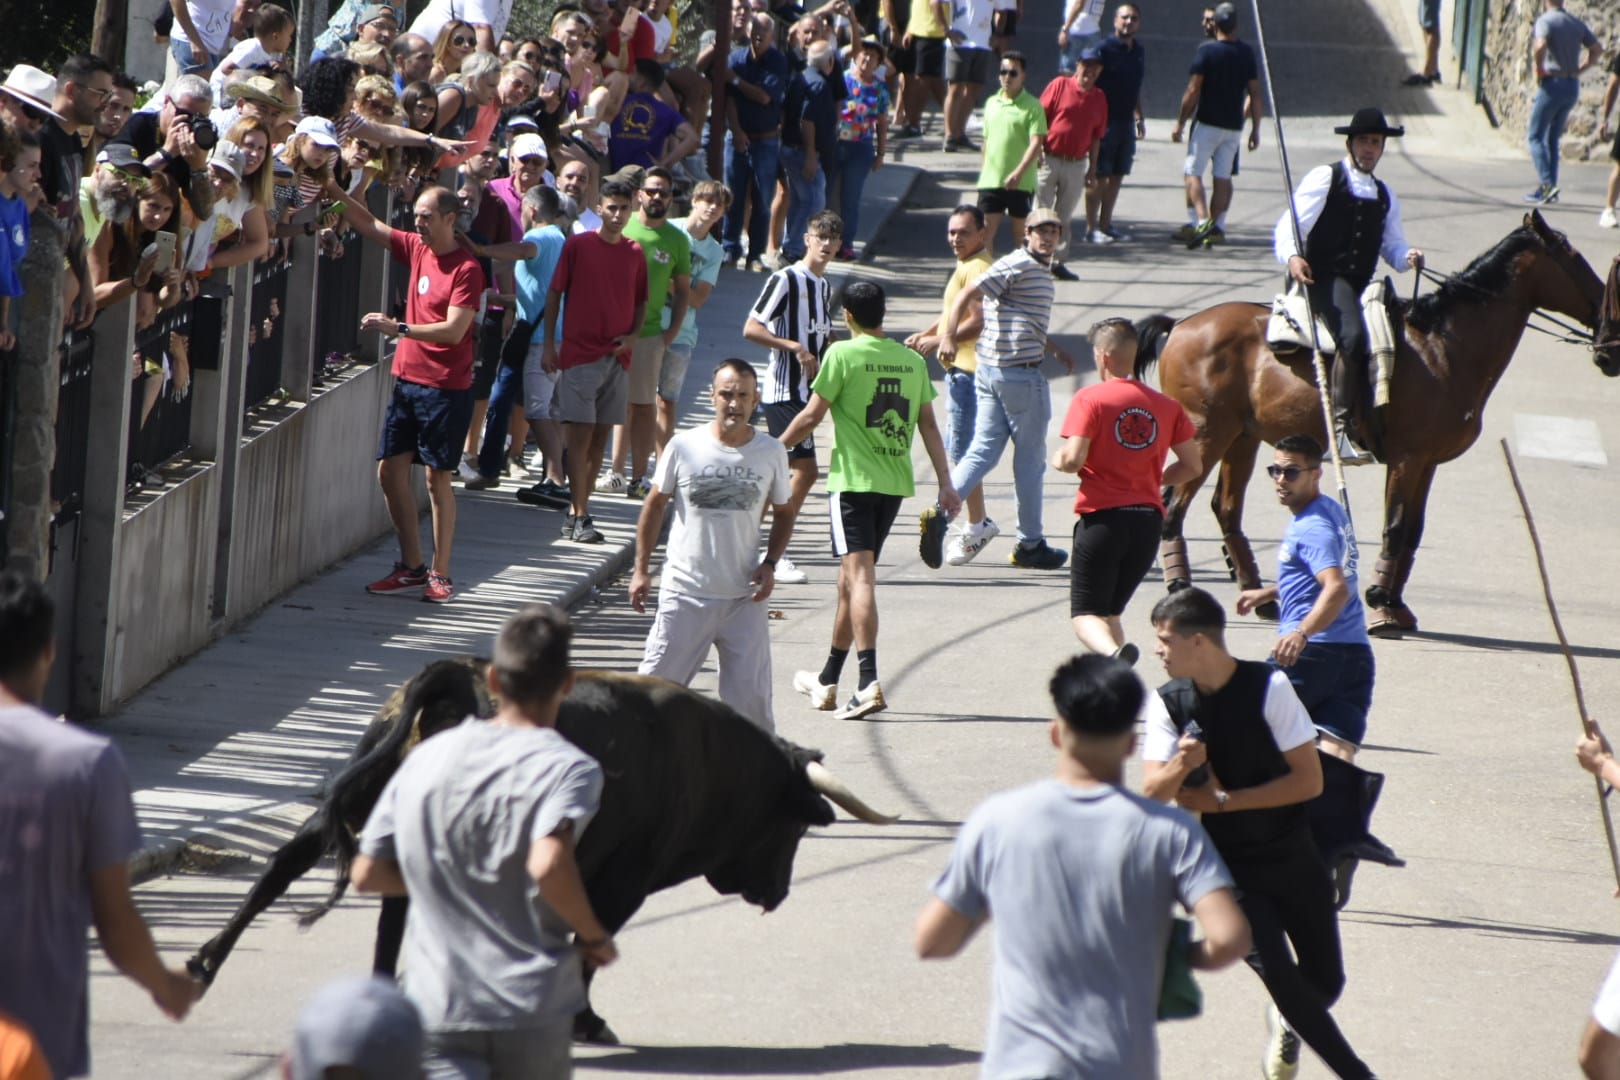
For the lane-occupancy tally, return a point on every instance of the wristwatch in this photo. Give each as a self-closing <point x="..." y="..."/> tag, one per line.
<point x="404" y="330"/>
<point x="1220" y="800"/>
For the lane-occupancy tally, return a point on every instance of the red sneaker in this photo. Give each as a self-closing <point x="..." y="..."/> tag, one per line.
<point x="403" y="577"/>
<point x="438" y="589"/>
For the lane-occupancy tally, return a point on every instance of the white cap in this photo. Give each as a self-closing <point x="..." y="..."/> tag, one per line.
<point x="319" y="129"/>
<point x="527" y="145"/>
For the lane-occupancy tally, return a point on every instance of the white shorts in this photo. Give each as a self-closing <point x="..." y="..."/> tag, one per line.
<point x="1212" y="145"/>
<point x="686" y="626"/>
<point x="539" y="385"/>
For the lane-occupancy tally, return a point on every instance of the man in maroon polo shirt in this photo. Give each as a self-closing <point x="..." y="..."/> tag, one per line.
<point x="431" y="408"/>
<point x="1076" y="118"/>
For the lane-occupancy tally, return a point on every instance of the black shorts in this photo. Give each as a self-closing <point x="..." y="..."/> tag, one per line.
<point x="1614" y="151"/>
<point x="928" y="57"/>
<point x="428" y="423"/>
<point x="1112" y="552"/>
<point x="1117" y="149"/>
<point x="861" y="520"/>
<point x="1015" y="204"/>
<point x="901" y="59"/>
<point x="1004" y="23"/>
<point x="972" y="66"/>
<point x="779" y="415"/>
<point x="489" y="356"/>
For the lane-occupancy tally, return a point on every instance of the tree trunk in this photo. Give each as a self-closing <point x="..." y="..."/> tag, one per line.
<point x="112" y="19"/>
<point x="38" y="378"/>
<point x="312" y="16"/>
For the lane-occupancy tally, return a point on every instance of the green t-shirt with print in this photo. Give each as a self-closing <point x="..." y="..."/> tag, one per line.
<point x="669" y="252"/>
<point x="1008" y="127"/>
<point x="876" y="388"/>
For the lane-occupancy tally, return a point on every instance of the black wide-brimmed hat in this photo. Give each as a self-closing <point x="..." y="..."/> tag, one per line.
<point x="1369" y="121"/>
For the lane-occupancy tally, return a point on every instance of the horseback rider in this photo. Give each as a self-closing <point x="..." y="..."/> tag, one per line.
<point x="1348" y="218"/>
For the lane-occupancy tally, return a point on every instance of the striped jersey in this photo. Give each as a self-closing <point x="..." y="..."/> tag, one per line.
<point x="1018" y="295"/>
<point x="797" y="305"/>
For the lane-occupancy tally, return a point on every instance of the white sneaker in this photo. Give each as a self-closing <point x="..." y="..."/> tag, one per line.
<point x="863" y="703"/>
<point x="1099" y="237"/>
<point x="1607" y="220"/>
<point x="467" y="470"/>
<point x="1282" y="1051"/>
<point x="786" y="572"/>
<point x="613" y="484"/>
<point x="821" y="695"/>
<point x="975" y="538"/>
<point x="954" y="555"/>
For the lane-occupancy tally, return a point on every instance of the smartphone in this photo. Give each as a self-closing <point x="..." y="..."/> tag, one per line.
<point x="553" y="81"/>
<point x="165" y="253"/>
<point x="632" y="18"/>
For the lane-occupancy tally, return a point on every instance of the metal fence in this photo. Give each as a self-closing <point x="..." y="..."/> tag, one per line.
<point x="264" y="342"/>
<point x="337" y="318"/>
<point x="73" y="434"/>
<point x="160" y="406"/>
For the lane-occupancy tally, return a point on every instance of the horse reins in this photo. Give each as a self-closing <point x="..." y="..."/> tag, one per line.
<point x="1572" y="335"/>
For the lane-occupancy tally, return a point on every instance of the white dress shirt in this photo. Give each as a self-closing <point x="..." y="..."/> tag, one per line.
<point x="1311" y="197"/>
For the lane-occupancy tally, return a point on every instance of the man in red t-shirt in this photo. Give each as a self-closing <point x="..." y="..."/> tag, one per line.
<point x="1076" y="118"/>
<point x="431" y="407"/>
<point x="1116" y="436"/>
<point x="600" y="290"/>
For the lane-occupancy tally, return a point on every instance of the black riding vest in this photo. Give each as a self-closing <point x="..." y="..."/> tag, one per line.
<point x="1345" y="240"/>
<point x="1243" y="754"/>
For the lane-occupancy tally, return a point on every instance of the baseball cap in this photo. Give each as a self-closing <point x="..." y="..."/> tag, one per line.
<point x="319" y="129"/>
<point x="362" y="1022"/>
<point x="122" y="156"/>
<point x="519" y="123"/>
<point x="526" y="145"/>
<point x="1091" y="55"/>
<point x="230" y="157"/>
<point x="374" y="12"/>
<point x="1042" y="216"/>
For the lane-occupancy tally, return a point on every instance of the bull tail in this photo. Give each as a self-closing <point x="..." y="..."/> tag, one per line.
<point x="1151" y="334"/>
<point x="353" y="792"/>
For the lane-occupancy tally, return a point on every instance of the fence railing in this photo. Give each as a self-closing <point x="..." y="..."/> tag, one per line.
<point x="73" y="430"/>
<point x="337" y="320"/>
<point x="160" y="401"/>
<point x="266" y="331"/>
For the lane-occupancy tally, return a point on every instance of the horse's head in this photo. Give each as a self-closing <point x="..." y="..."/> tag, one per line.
<point x="1573" y="288"/>
<point x="1606" y="344"/>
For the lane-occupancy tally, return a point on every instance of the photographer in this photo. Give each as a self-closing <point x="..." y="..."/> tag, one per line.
<point x="177" y="138"/>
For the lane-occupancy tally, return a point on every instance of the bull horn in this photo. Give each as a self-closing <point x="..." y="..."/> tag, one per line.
<point x="835" y="789"/>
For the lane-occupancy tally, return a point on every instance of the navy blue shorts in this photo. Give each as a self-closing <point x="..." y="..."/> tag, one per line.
<point x="428" y="423"/>
<point x="1117" y="150"/>
<point x="1429" y="14"/>
<point x="1334" y="681"/>
<point x="779" y="416"/>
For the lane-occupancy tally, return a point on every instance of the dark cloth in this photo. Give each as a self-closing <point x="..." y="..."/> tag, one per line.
<point x="61" y="167"/>
<point x="1334" y="681"/>
<point x="770" y="73"/>
<point x="142" y="132"/>
<point x="928" y="57"/>
<point x="818" y="99"/>
<point x="1117" y="150"/>
<point x="1113" y="550"/>
<point x="861" y="520"/>
<point x="1227" y="67"/>
<point x="1124" y="68"/>
<point x="1346" y="238"/>
<point x="1244" y="754"/>
<point x="427" y="422"/>
<point x="779" y="416"/>
<point x="1014" y="204"/>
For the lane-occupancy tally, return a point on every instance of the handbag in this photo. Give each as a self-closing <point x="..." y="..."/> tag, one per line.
<point x="1179" y="996"/>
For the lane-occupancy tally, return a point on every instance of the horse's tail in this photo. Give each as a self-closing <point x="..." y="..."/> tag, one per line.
<point x="1151" y="334"/>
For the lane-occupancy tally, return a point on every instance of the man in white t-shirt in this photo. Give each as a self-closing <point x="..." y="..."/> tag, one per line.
<point x="574" y="181"/>
<point x="969" y="64"/>
<point x="488" y="18"/>
<point x="715" y="583"/>
<point x="1082" y="30"/>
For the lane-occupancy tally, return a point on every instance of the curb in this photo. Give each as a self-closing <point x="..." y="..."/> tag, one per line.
<point x="163" y="856"/>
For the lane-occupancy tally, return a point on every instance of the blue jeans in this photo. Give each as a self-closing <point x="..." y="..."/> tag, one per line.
<point x="855" y="159"/>
<point x="1071" y="52"/>
<point x="1334" y="681"/>
<point x="806" y="199"/>
<point x="507" y="392"/>
<point x="185" y="57"/>
<point x="1554" y="100"/>
<point x="1014" y="403"/>
<point x="751" y="170"/>
<point x="961" y="410"/>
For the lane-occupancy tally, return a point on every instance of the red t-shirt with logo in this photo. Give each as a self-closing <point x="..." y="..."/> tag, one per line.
<point x="1132" y="429"/>
<point x="601" y="285"/>
<point x="437" y="283"/>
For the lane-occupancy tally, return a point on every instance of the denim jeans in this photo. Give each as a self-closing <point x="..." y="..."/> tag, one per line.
<point x="507" y="392"/>
<point x="1554" y="100"/>
<point x="855" y="159"/>
<point x="1014" y="403"/>
<point x="961" y="409"/>
<point x="1334" y="681"/>
<point x="1071" y="52"/>
<point x="751" y="170"/>
<point x="806" y="199"/>
<point x="185" y="57"/>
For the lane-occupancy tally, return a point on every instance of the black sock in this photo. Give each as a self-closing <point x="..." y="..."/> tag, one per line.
<point x="834" y="666"/>
<point x="868" y="661"/>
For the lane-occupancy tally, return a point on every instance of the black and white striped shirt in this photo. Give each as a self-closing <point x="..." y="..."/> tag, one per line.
<point x="1018" y="296"/>
<point x="797" y="305"/>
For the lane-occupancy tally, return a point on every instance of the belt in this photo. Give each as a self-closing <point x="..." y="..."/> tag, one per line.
<point x="775" y="132"/>
<point x="1065" y="157"/>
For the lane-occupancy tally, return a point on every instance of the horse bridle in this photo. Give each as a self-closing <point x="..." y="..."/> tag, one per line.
<point x="1571" y="335"/>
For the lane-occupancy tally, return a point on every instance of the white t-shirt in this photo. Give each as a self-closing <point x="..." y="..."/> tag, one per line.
<point x="972" y="19"/>
<point x="1606" y="1009"/>
<point x="588" y="221"/>
<point x="246" y="54"/>
<point x="1089" y="21"/>
<point x="492" y="13"/>
<point x="212" y="18"/>
<point x="663" y="30"/>
<point x="718" y="494"/>
<point x="1290" y="724"/>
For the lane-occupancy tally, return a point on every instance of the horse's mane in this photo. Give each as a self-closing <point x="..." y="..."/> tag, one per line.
<point x="1486" y="277"/>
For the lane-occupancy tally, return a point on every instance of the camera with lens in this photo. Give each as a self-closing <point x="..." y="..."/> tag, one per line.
<point x="203" y="132"/>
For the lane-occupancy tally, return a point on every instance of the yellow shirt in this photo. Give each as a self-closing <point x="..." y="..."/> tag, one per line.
<point x="967" y="272"/>
<point x="924" y="21"/>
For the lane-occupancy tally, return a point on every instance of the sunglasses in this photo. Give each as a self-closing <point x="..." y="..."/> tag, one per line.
<point x="1010" y="73"/>
<point x="464" y="42"/>
<point x="655" y="192"/>
<point x="1130" y="18"/>
<point x="1289" y="473"/>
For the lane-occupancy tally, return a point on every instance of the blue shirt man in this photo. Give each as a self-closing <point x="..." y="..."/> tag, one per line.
<point x="759" y="76"/>
<point x="1322" y="642"/>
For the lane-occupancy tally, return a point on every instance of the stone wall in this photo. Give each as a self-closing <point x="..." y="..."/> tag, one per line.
<point x="1510" y="84"/>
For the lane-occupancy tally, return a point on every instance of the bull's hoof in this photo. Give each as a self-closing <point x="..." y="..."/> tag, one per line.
<point x="1269" y="611"/>
<point x="1391" y="622"/>
<point x="592" y="1030"/>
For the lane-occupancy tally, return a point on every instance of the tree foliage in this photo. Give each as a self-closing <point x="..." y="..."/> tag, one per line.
<point x="46" y="32"/>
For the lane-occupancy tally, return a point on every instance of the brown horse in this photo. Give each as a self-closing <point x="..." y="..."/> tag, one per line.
<point x="1456" y="344"/>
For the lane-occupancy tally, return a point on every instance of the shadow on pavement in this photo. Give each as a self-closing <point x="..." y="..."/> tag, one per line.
<point x="1485" y="927"/>
<point x="1510" y="645"/>
<point x="785" y="1060"/>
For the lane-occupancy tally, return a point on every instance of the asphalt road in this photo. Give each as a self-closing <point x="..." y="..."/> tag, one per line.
<point x="1478" y="960"/>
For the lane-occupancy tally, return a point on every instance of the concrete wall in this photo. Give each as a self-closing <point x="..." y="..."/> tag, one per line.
<point x="1510" y="84"/>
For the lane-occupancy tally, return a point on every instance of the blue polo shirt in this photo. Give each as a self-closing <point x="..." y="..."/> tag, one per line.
<point x="816" y="98"/>
<point x="771" y="73"/>
<point x="1124" y="68"/>
<point x="1320" y="536"/>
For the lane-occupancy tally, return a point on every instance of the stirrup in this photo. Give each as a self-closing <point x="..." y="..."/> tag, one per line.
<point x="1351" y="454"/>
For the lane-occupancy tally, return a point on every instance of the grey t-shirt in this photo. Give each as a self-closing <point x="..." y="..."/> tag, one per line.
<point x="65" y="812"/>
<point x="1566" y="37"/>
<point x="482" y="950"/>
<point x="1081" y="882"/>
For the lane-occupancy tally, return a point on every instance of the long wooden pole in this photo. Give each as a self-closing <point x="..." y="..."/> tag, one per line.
<point x="1569" y="659"/>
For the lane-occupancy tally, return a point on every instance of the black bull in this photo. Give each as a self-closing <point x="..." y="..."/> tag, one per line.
<point x="691" y="789"/>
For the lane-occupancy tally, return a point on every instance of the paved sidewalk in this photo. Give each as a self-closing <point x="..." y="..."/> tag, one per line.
<point x="226" y="750"/>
